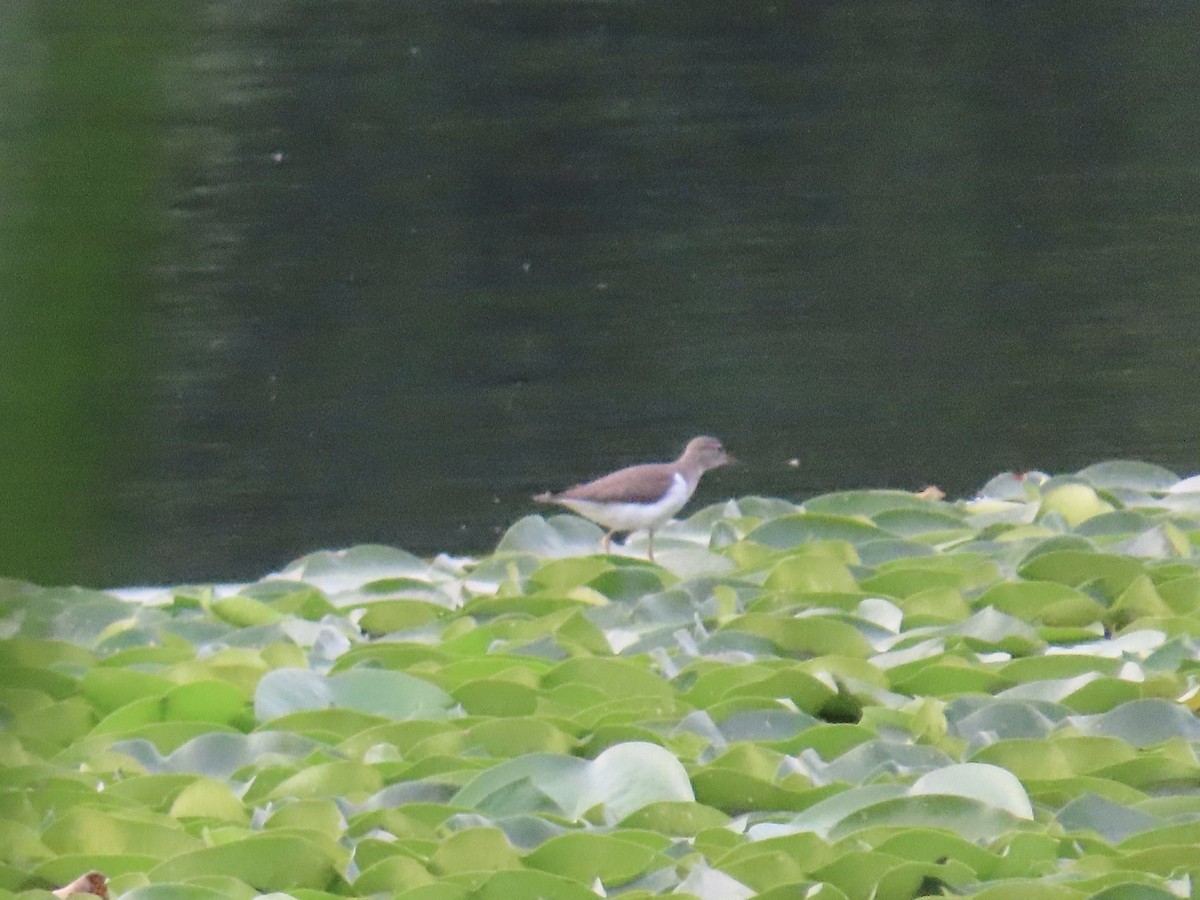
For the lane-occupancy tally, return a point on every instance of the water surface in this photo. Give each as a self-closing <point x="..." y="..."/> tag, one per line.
<point x="289" y="275"/>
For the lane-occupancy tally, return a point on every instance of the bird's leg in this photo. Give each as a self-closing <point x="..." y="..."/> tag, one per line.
<point x="650" y="551"/>
<point x="607" y="543"/>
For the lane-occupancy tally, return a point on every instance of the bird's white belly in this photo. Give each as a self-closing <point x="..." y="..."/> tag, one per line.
<point x="635" y="516"/>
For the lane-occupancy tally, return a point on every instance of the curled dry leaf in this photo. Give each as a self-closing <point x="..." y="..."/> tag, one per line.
<point x="91" y="883"/>
<point x="931" y="492"/>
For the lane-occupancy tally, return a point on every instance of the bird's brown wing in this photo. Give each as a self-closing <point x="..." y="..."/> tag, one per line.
<point x="637" y="484"/>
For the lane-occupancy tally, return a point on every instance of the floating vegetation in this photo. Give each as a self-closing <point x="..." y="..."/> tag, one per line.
<point x="868" y="694"/>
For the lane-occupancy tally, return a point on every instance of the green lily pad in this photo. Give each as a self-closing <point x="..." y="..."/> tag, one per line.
<point x="474" y="850"/>
<point x="864" y="503"/>
<point x="1075" y="568"/>
<point x="388" y="693"/>
<point x="552" y="538"/>
<point x="263" y="861"/>
<point x="1142" y="723"/>
<point x="809" y="574"/>
<point x="790" y="531"/>
<point x="587" y="857"/>
<point x="1129" y="474"/>
<point x="82" y="830"/>
<point x="169" y="891"/>
<point x="506" y="884"/>
<point x="1043" y="601"/>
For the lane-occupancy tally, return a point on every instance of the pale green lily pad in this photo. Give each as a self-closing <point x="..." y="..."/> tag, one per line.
<point x="933" y="606"/>
<point x="624" y="679"/>
<point x="1029" y="889"/>
<point x="507" y="884"/>
<point x="33" y="652"/>
<point x="1142" y="723"/>
<point x="204" y="701"/>
<point x="155" y="792"/>
<point x="804" y="691"/>
<point x="81" y="830"/>
<point x="923" y="522"/>
<point x="109" y="689"/>
<point x="333" y="779"/>
<point x="988" y="784"/>
<point x="911" y="878"/>
<point x="766" y="725"/>
<point x="1119" y="522"/>
<point x="474" y="850"/>
<point x="243" y="612"/>
<point x="886" y="550"/>
<point x="705" y="883"/>
<point x="1043" y="601"/>
<point x="790" y="531"/>
<point x="878" y="759"/>
<point x="949" y="677"/>
<point x="811" y="634"/>
<point x="768" y="862"/>
<point x="439" y="890"/>
<point x="675" y="817"/>
<point x="552" y="538"/>
<point x="1162" y="541"/>
<point x="1127" y="888"/>
<point x="1129" y="474"/>
<point x="263" y="861"/>
<point x="1071" y="502"/>
<point x="986" y="720"/>
<point x="864" y="503"/>
<point x="511" y="737"/>
<point x="810" y="574"/>
<point x="973" y="819"/>
<point x="623" y="779"/>
<point x="904" y="581"/>
<point x="207" y="798"/>
<point x="340" y="570"/>
<point x="388" y="693"/>
<point x="496" y="697"/>
<point x="386" y="616"/>
<point x="561" y="575"/>
<point x="587" y="857"/>
<point x="762" y="869"/>
<point x="1028" y="759"/>
<point x="933" y="844"/>
<point x="1113" y="821"/>
<point x="219" y="755"/>
<point x="1075" y="568"/>
<point x="857" y="872"/>
<point x="389" y="876"/>
<point x="752" y="507"/>
<point x="170" y="891"/>
<point x="821" y="818"/>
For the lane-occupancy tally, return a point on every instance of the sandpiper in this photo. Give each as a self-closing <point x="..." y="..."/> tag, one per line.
<point x="642" y="496"/>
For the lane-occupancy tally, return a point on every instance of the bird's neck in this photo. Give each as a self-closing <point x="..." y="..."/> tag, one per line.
<point x="690" y="470"/>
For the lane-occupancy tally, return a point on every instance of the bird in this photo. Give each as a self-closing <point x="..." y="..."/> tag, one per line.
<point x="642" y="496"/>
<point x="88" y="883"/>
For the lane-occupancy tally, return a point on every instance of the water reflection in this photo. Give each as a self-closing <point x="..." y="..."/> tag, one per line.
<point x="332" y="273"/>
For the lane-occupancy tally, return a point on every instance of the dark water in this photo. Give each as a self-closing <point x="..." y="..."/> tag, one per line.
<point x="291" y="274"/>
